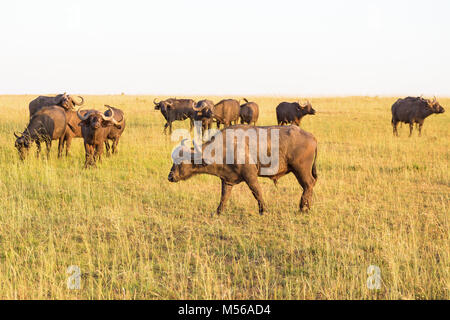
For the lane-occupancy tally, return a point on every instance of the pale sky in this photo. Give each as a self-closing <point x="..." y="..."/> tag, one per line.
<point x="195" y="47"/>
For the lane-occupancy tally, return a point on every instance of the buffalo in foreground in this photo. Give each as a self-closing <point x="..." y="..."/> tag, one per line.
<point x="97" y="128"/>
<point x="413" y="110"/>
<point x="297" y="153"/>
<point x="63" y="100"/>
<point x="293" y="112"/>
<point x="249" y="112"/>
<point x="47" y="124"/>
<point x="176" y="110"/>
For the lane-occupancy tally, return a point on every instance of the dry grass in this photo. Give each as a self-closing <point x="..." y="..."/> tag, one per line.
<point x="379" y="201"/>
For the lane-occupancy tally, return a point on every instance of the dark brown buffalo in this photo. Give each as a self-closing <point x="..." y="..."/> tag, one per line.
<point x="249" y="112"/>
<point x="203" y="113"/>
<point x="47" y="124"/>
<point x="293" y="112"/>
<point x="413" y="110"/>
<point x="63" y="100"/>
<point x="297" y="154"/>
<point x="96" y="128"/>
<point x="176" y="110"/>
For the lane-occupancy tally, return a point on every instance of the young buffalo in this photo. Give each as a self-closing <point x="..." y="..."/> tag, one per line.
<point x="96" y="128"/>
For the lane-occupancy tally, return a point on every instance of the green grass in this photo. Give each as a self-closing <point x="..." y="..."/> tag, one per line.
<point x="379" y="201"/>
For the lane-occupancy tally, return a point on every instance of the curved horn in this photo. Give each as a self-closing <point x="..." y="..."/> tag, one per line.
<point x="15" y="134"/>
<point x="199" y="108"/>
<point x="81" y="117"/>
<point x="78" y="103"/>
<point x="154" y="101"/>
<point x="111" y="117"/>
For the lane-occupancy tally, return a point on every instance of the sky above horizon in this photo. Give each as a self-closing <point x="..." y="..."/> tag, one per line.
<point x="305" y="48"/>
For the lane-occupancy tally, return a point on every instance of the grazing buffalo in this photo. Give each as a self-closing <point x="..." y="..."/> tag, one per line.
<point x="413" y="110"/>
<point x="176" y="110"/>
<point x="63" y="100"/>
<point x="96" y="128"/>
<point x="293" y="112"/>
<point x="203" y="113"/>
<point x="47" y="124"/>
<point x="226" y="112"/>
<point x="249" y="112"/>
<point x="290" y="148"/>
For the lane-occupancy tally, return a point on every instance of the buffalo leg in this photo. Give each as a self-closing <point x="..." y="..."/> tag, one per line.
<point x="38" y="150"/>
<point x="68" y="141"/>
<point x="89" y="154"/>
<point x="420" y="128"/>
<point x="114" y="145"/>
<point x="165" y="127"/>
<point x="254" y="186"/>
<point x="191" y="124"/>
<point x="226" y="192"/>
<point x="107" y="147"/>
<point x="411" y="127"/>
<point x="60" y="146"/>
<point x="394" y="127"/>
<point x="48" y="145"/>
<point x="307" y="181"/>
<point x="98" y="152"/>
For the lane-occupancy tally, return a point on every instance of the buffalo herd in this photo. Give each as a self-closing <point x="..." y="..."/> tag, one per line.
<point x="54" y="118"/>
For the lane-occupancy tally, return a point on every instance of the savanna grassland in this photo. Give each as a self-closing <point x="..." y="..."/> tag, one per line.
<point x="379" y="200"/>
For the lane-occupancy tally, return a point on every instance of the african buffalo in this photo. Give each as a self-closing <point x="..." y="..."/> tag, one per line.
<point x="176" y="110"/>
<point x="96" y="128"/>
<point x="249" y="112"/>
<point x="63" y="100"/>
<point x="293" y="112"/>
<point x="226" y="112"/>
<point x="73" y="129"/>
<point x="116" y="131"/>
<point x="293" y="150"/>
<point x="203" y="113"/>
<point x="413" y="110"/>
<point x="47" y="124"/>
